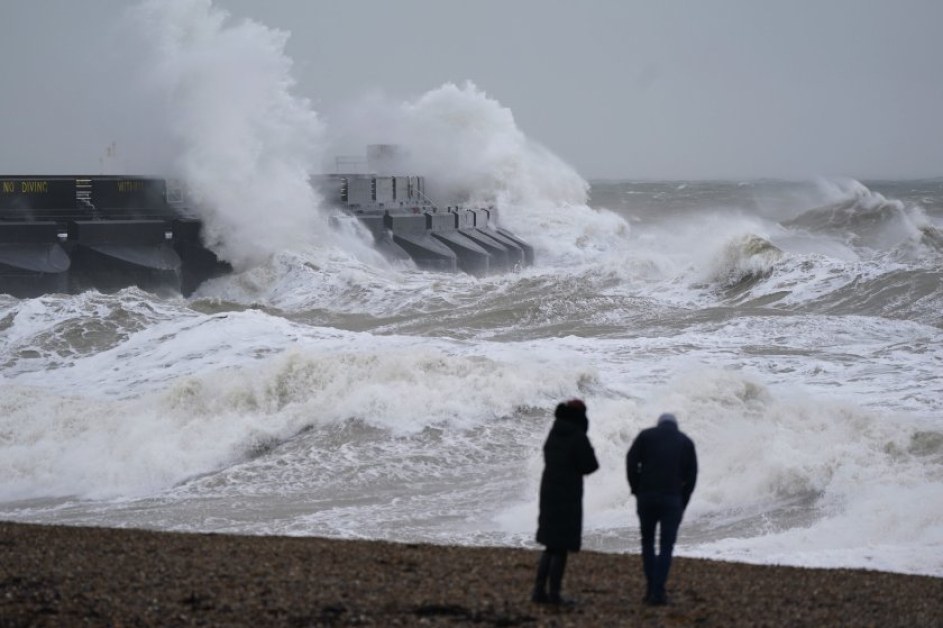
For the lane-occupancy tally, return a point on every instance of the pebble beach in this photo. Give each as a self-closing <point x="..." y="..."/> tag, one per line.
<point x="63" y="576"/>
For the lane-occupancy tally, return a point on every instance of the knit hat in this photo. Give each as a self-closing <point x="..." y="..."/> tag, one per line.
<point x="572" y="409"/>
<point x="667" y="417"/>
<point x="576" y="404"/>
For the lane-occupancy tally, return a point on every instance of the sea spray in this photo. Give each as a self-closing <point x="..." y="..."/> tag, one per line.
<point x="467" y="144"/>
<point x="245" y="143"/>
<point x="472" y="152"/>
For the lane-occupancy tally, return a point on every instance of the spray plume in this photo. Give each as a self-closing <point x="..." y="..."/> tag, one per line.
<point x="245" y="144"/>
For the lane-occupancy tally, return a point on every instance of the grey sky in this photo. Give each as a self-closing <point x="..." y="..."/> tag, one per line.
<point x="616" y="88"/>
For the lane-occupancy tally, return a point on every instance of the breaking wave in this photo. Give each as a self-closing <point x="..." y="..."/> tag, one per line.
<point x="744" y="262"/>
<point x="317" y="391"/>
<point x="865" y="219"/>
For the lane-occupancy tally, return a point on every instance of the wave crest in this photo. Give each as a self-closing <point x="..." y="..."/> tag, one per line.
<point x="865" y="219"/>
<point x="744" y="261"/>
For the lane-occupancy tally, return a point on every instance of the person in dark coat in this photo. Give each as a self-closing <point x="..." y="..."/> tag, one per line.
<point x="662" y="469"/>
<point x="568" y="456"/>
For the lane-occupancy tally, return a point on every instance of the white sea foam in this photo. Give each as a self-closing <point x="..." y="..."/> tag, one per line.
<point x="206" y="394"/>
<point x="784" y="478"/>
<point x="418" y="411"/>
<point x="186" y="397"/>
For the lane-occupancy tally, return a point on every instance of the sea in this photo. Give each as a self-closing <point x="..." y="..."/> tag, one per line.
<point x="795" y="327"/>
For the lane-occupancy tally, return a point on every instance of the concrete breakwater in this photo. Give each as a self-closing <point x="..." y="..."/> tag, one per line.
<point x="67" y="234"/>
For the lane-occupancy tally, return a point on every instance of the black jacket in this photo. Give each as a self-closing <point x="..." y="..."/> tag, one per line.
<point x="568" y="456"/>
<point x="662" y="461"/>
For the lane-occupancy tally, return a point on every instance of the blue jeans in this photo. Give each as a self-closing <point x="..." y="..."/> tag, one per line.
<point x="654" y="509"/>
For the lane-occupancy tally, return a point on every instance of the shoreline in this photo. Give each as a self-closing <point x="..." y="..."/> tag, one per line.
<point x="61" y="575"/>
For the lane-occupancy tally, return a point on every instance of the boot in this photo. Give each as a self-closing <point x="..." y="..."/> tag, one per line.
<point x="539" y="595"/>
<point x="557" y="567"/>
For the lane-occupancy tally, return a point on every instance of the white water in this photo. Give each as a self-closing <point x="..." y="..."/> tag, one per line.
<point x="318" y="392"/>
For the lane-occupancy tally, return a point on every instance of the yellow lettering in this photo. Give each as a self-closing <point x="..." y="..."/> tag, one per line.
<point x="9" y="187"/>
<point x="130" y="186"/>
<point x="32" y="187"/>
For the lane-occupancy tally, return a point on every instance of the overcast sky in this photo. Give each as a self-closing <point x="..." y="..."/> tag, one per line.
<point x="619" y="88"/>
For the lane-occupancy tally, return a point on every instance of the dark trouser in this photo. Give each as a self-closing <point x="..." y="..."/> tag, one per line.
<point x="652" y="510"/>
<point x="551" y="566"/>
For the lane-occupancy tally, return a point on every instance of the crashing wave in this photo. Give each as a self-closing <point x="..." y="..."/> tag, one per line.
<point x="743" y="262"/>
<point x="866" y="219"/>
<point x="927" y="241"/>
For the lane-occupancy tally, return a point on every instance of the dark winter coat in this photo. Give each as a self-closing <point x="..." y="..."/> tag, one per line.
<point x="568" y="456"/>
<point x="662" y="461"/>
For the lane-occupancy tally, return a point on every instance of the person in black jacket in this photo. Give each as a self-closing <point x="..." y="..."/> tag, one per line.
<point x="568" y="456"/>
<point x="662" y="469"/>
